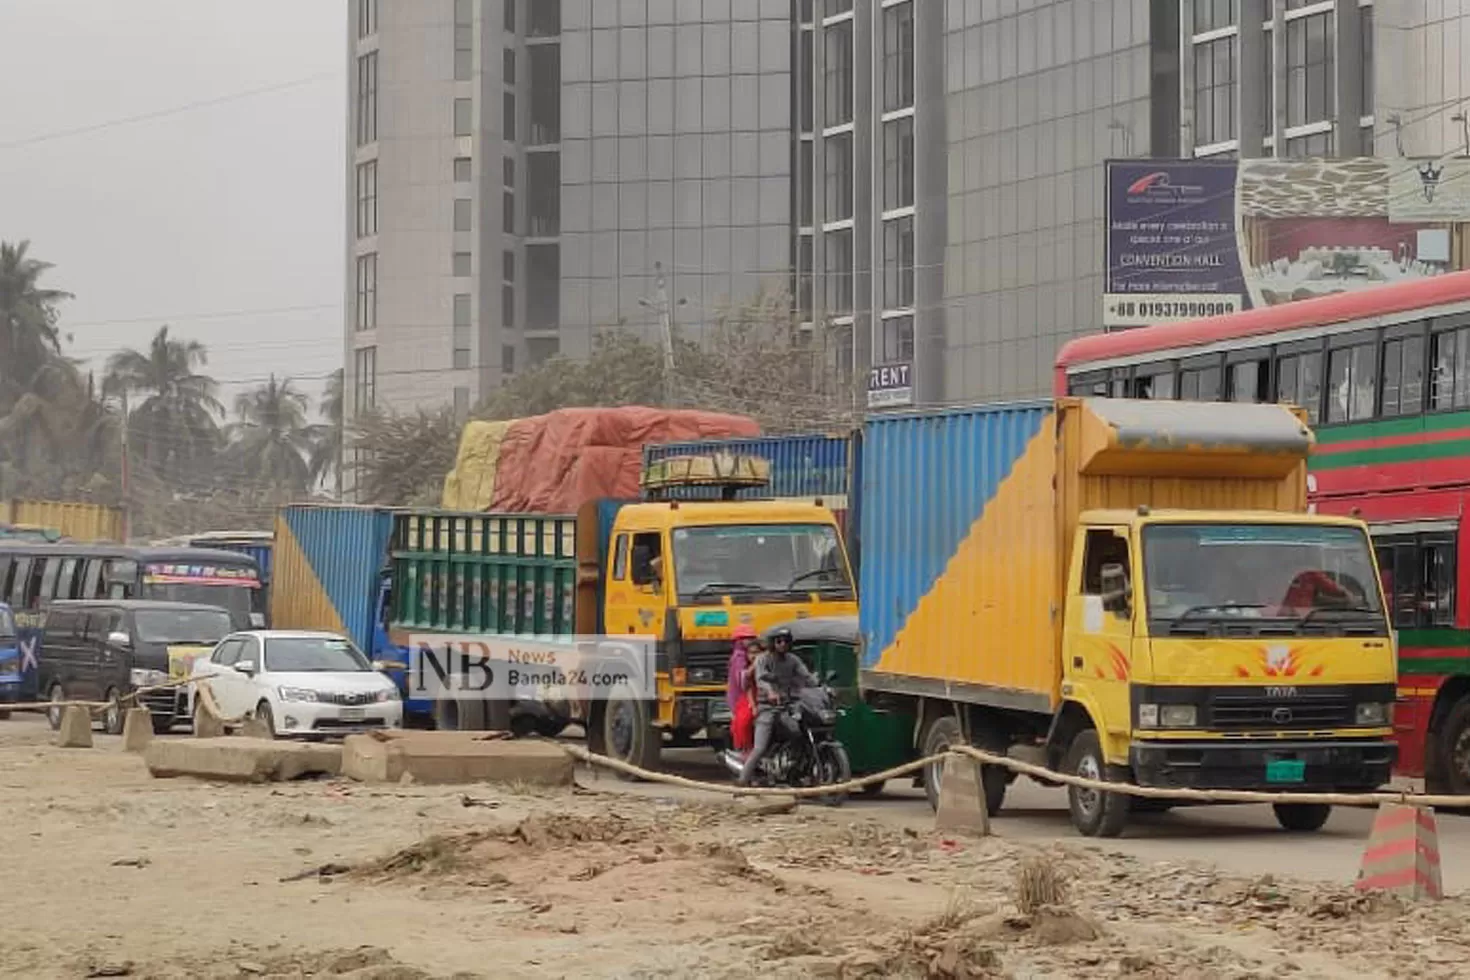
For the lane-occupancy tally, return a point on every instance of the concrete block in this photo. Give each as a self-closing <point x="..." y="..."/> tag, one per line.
<point x="961" y="798"/>
<point x="1402" y="855"/>
<point x="453" y="757"/>
<point x="248" y="760"/>
<point x="76" y="728"/>
<point x="254" y="727"/>
<point x="137" y="729"/>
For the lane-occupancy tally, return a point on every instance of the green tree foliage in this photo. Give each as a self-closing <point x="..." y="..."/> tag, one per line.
<point x="174" y="416"/>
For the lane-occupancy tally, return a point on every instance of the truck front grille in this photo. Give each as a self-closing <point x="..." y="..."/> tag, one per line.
<point x="1253" y="711"/>
<point x="707" y="666"/>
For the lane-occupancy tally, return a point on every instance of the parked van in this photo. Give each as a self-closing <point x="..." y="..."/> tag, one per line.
<point x="9" y="661"/>
<point x="104" y="649"/>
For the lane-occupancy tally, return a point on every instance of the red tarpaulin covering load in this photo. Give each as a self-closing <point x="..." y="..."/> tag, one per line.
<point x="555" y="463"/>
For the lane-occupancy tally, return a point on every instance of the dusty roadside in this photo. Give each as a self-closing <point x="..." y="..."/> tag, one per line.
<point x="115" y="873"/>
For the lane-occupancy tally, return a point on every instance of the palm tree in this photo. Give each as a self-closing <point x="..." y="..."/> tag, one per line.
<point x="325" y="458"/>
<point x="272" y="440"/>
<point x="176" y="424"/>
<point x="28" y="335"/>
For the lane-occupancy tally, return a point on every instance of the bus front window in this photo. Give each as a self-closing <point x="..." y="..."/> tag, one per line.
<point x="234" y="599"/>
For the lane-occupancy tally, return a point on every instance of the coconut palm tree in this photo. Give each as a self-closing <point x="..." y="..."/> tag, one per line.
<point x="325" y="458"/>
<point x="272" y="440"/>
<point x="28" y="335"/>
<point x="175" y="425"/>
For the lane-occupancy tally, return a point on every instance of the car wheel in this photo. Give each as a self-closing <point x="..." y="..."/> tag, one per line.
<point x="56" y="696"/>
<point x="1095" y="813"/>
<point x="1301" y="818"/>
<point x="266" y="718"/>
<point x="112" y="715"/>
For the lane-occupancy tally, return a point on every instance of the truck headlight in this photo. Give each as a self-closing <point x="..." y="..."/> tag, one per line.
<point x="1167" y="716"/>
<point x="1375" y="714"/>
<point x="297" y="694"/>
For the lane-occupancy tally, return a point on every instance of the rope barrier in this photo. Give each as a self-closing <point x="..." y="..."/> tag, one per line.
<point x="96" y="706"/>
<point x="1027" y="769"/>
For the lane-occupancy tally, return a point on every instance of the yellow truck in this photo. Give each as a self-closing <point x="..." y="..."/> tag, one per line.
<point x="1124" y="590"/>
<point x="84" y="522"/>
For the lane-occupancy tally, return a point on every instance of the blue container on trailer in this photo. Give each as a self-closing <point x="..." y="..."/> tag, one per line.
<point x="926" y="480"/>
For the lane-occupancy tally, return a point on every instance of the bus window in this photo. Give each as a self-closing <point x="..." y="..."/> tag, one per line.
<point x="92" y="580"/>
<point x="1351" y="383"/>
<point x="66" y="582"/>
<point x="52" y="572"/>
<point x="7" y="562"/>
<point x="1249" y="381"/>
<point x="1449" y="379"/>
<point x="1299" y="382"/>
<point x="1199" y="384"/>
<point x="1403" y="376"/>
<point x="1154" y="381"/>
<point x="1091" y="384"/>
<point x="32" y="596"/>
<point x="18" y="581"/>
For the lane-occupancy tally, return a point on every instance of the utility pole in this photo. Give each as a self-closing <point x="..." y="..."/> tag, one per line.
<point x="126" y="530"/>
<point x="665" y="311"/>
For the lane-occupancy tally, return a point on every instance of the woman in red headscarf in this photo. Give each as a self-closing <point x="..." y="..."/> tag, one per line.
<point x="739" y="689"/>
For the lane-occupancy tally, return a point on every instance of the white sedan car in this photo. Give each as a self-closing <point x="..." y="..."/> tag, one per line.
<point x="299" y="683"/>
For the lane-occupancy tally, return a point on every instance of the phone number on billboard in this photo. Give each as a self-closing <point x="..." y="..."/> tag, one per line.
<point x="1175" y="309"/>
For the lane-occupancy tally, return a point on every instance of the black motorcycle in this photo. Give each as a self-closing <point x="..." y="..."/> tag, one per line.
<point x="804" y="751"/>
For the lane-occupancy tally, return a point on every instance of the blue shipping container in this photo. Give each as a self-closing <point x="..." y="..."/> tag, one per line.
<point x="927" y="478"/>
<point x="328" y="564"/>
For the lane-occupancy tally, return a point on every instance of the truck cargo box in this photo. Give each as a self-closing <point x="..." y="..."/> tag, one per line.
<point x="326" y="564"/>
<point x="84" y="522"/>
<point x="968" y="516"/>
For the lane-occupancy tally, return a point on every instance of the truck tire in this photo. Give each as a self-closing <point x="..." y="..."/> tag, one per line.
<point x="1095" y="813"/>
<point x="453" y="715"/>
<point x="623" y="729"/>
<point x="943" y="733"/>
<point x="1451" y="755"/>
<point x="1301" y="818"/>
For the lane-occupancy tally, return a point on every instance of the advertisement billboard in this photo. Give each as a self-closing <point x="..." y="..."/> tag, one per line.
<point x="1171" y="248"/>
<point x="891" y="385"/>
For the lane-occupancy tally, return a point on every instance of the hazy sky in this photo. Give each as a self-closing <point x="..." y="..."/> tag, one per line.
<point x="230" y="208"/>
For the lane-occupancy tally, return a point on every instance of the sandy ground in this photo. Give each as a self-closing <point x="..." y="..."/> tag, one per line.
<point x="114" y="873"/>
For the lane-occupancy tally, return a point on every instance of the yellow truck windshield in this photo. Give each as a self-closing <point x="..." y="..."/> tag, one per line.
<point x="776" y="561"/>
<point x="1267" y="575"/>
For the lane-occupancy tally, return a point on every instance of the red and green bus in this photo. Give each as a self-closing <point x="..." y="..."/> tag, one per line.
<point x="1384" y="374"/>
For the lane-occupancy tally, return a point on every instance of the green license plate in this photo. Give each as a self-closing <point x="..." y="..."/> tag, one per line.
<point x="1285" y="771"/>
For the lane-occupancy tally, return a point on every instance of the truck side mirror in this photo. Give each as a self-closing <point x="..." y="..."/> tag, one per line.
<point x="1116" y="592"/>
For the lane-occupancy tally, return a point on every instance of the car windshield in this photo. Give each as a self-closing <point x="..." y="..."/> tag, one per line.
<point x="293" y="654"/>
<point x="758" y="558"/>
<point x="236" y="599"/>
<point x="202" y="626"/>
<point x="7" y="625"/>
<point x="1211" y="571"/>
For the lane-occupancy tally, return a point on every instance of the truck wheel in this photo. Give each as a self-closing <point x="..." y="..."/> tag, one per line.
<point x="1095" y="813"/>
<point x="452" y="715"/>
<point x="623" y="729"/>
<point x="943" y="733"/>
<point x="1451" y="775"/>
<point x="1301" y="818"/>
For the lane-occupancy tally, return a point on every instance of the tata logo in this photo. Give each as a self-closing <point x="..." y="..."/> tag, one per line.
<point x="1281" y="716"/>
<point x="1281" y="692"/>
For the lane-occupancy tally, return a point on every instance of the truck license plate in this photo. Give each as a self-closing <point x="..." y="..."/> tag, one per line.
<point x="1285" y="771"/>
<point x="353" y="714"/>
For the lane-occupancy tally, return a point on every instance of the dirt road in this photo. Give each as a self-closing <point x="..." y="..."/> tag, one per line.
<point x="115" y="873"/>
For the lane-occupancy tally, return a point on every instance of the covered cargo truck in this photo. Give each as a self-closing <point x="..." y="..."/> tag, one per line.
<point x="684" y="573"/>
<point x="1129" y="590"/>
<point x="80" y="522"/>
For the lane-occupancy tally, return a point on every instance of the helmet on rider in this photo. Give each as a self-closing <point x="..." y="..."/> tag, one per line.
<point x="780" y="639"/>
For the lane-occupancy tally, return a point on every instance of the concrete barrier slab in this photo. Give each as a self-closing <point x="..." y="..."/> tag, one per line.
<point x="453" y="757"/>
<point x="248" y="760"/>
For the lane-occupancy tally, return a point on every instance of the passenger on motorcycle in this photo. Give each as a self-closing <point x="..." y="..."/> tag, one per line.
<point x="779" y="676"/>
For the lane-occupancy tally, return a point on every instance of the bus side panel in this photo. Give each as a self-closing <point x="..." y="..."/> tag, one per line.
<point x="326" y="566"/>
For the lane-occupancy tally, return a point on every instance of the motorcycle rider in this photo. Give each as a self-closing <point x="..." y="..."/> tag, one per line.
<point x="779" y="675"/>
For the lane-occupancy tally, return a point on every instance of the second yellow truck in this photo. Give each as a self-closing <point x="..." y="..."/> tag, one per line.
<point x="1130" y="591"/>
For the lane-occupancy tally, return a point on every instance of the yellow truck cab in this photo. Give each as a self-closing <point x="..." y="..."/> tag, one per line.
<point x="1124" y="590"/>
<point x="690" y="572"/>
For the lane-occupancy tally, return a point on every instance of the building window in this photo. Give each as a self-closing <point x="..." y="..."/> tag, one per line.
<point x="831" y="8"/>
<point x="508" y="358"/>
<point x="461" y="402"/>
<point x="462" y="172"/>
<point x="464" y="117"/>
<point x="1352" y="383"/>
<point x="837" y="154"/>
<point x="1403" y="376"/>
<point x="367" y="291"/>
<point x="1368" y="93"/>
<point x="541" y="349"/>
<point x="804" y="181"/>
<point x="898" y="163"/>
<point x="507" y="306"/>
<point x="464" y="13"/>
<point x="510" y="16"/>
<point x="365" y="395"/>
<point x="898" y="339"/>
<point x="367" y="99"/>
<point x="461" y="330"/>
<point x="1449" y="379"/>
<point x="508" y="68"/>
<point x="1214" y="91"/>
<point x="1316" y="145"/>
<point x="463" y="211"/>
<point x="544" y="18"/>
<point x="1211" y="15"/>
<point x="1268" y="90"/>
<point x="367" y="18"/>
<point x="898" y="56"/>
<point x="508" y="176"/>
<point x="838" y="272"/>
<point x="508" y="121"/>
<point x="462" y="262"/>
<point x="1309" y="78"/>
<point x="464" y="40"/>
<point x="367" y="199"/>
<point x="806" y="92"/>
<point x="508" y="213"/>
<point x="804" y="278"/>
<point x="508" y="265"/>
<point x="837" y="80"/>
<point x="898" y="263"/>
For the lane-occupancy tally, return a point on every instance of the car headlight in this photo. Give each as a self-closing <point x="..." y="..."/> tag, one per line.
<point x="1166" y="716"/>
<point x="1376" y="714"/>
<point x="391" y="694"/>
<point x="296" y="694"/>
<point x="142" y="677"/>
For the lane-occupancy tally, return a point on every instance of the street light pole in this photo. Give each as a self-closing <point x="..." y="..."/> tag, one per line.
<point x="664" y="309"/>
